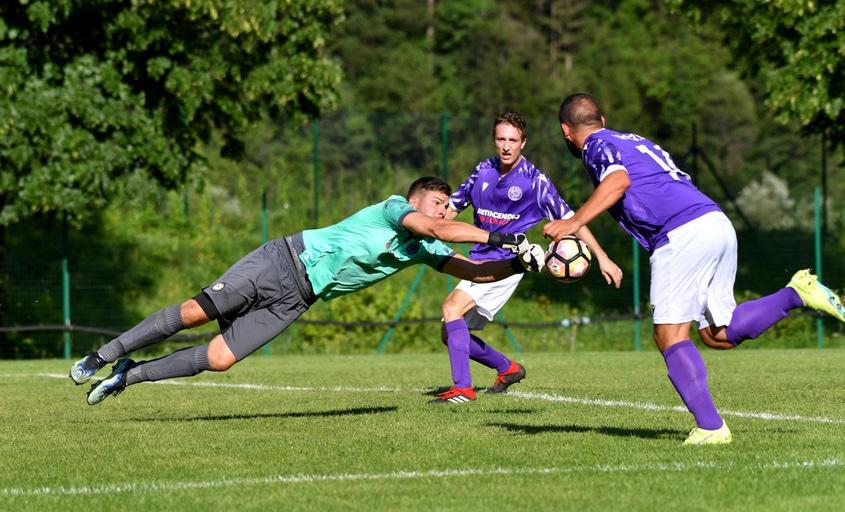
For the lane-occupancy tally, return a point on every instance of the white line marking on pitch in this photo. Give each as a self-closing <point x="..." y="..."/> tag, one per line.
<point x="655" y="407"/>
<point x="534" y="396"/>
<point x="296" y="479"/>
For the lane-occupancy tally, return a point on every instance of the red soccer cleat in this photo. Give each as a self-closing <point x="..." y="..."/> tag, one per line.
<point x="455" y="396"/>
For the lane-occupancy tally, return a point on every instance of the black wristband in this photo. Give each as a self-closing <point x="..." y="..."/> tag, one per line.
<point x="517" y="266"/>
<point x="495" y="239"/>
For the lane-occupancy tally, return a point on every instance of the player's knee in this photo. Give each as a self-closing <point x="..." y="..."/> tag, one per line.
<point x="220" y="358"/>
<point x="451" y="311"/>
<point x="220" y="363"/>
<point x="193" y="314"/>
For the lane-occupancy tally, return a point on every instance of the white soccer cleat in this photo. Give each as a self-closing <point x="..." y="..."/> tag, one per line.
<point x="82" y="370"/>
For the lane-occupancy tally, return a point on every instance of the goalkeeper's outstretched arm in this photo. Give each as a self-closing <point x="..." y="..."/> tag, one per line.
<point x="461" y="232"/>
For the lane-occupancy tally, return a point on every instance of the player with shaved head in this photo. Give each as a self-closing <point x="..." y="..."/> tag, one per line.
<point x="693" y="255"/>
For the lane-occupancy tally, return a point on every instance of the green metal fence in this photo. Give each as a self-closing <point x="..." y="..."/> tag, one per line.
<point x="71" y="291"/>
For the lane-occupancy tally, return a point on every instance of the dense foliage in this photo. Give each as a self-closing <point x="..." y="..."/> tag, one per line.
<point x="798" y="48"/>
<point x="100" y="95"/>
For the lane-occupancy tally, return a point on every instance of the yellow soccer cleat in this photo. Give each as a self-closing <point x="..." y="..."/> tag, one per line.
<point x="699" y="436"/>
<point x="816" y="295"/>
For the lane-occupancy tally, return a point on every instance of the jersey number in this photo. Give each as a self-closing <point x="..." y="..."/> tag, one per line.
<point x="664" y="160"/>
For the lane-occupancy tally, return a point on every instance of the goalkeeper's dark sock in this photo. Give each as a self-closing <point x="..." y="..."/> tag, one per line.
<point x="689" y="376"/>
<point x="483" y="353"/>
<point x="182" y="363"/>
<point x="155" y="328"/>
<point x="752" y="318"/>
<point x="458" y="342"/>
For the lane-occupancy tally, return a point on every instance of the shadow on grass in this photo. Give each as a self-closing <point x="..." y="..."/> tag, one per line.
<point x="569" y="429"/>
<point x="356" y="411"/>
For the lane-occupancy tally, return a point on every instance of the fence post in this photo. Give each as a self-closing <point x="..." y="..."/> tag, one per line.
<point x="818" y="244"/>
<point x="65" y="288"/>
<point x="509" y="333"/>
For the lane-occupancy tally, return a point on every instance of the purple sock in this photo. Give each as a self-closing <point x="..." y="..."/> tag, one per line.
<point x="458" y="342"/>
<point x="689" y="376"/>
<point x="752" y="318"/>
<point x="483" y="353"/>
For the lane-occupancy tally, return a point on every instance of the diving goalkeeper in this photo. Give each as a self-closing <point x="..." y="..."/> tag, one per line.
<point x="271" y="287"/>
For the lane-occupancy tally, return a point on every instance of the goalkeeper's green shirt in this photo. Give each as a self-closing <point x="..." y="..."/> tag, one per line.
<point x="365" y="248"/>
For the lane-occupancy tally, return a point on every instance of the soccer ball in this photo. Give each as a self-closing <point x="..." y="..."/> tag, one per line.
<point x="569" y="259"/>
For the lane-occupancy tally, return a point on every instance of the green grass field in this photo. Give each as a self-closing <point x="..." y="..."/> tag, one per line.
<point x="584" y="431"/>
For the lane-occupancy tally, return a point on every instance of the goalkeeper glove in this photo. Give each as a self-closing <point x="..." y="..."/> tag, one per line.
<point x="516" y="244"/>
<point x="531" y="260"/>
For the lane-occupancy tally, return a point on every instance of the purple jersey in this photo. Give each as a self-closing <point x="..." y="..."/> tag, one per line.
<point x="661" y="196"/>
<point x="513" y="203"/>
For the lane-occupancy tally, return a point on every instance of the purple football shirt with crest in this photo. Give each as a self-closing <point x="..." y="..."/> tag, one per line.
<point x="513" y="203"/>
<point x="661" y="196"/>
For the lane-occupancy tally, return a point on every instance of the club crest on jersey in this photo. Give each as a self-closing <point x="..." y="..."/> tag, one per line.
<point x="514" y="193"/>
<point x="403" y="250"/>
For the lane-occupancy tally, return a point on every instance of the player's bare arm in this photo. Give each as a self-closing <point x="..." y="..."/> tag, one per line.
<point x="454" y="231"/>
<point x="609" y="191"/>
<point x="610" y="270"/>
<point x="442" y="229"/>
<point x="478" y="271"/>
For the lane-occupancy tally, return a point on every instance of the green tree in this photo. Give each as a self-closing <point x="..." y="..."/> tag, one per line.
<point x="385" y="50"/>
<point x="647" y="69"/>
<point x="99" y="95"/>
<point x="795" y="46"/>
<point x="463" y="57"/>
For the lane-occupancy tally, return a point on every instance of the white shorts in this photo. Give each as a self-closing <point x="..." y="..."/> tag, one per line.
<point x="489" y="299"/>
<point x="692" y="277"/>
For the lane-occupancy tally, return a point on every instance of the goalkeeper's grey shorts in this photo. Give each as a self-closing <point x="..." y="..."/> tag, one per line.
<point x="261" y="295"/>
